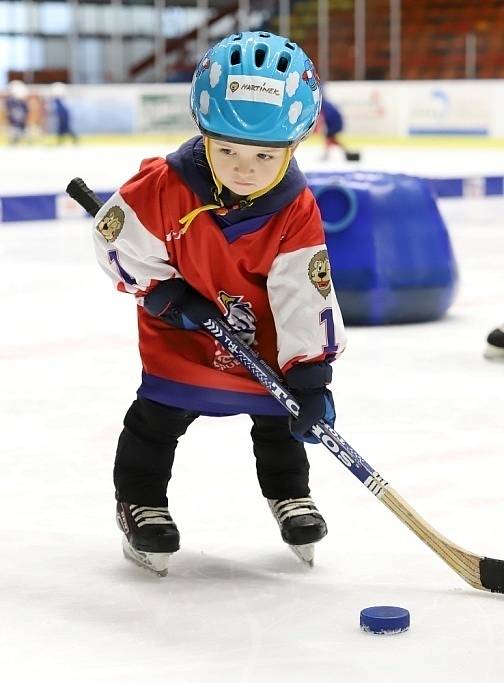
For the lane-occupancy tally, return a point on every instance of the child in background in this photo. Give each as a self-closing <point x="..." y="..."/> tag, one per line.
<point x="332" y="123"/>
<point x="62" y="114"/>
<point x="226" y="227"/>
<point x="35" y="121"/>
<point x="17" y="111"/>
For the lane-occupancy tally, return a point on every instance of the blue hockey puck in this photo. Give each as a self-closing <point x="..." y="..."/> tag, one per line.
<point x="385" y="620"/>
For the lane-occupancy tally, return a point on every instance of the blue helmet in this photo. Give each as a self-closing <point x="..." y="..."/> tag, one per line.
<point x="256" y="88"/>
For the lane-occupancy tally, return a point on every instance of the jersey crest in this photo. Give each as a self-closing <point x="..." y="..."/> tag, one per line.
<point x="239" y="314"/>
<point x="319" y="272"/>
<point x="111" y="224"/>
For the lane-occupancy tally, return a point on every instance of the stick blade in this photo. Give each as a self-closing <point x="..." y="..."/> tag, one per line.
<point x="492" y="574"/>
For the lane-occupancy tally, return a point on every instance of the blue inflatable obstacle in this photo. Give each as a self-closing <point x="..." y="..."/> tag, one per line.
<point x="389" y="249"/>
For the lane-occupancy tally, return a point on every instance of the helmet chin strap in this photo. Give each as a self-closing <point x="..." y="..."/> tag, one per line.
<point x="218" y="184"/>
<point x="186" y="221"/>
<point x="259" y="193"/>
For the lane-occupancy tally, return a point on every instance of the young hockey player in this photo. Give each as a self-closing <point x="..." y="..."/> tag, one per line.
<point x="225" y="226"/>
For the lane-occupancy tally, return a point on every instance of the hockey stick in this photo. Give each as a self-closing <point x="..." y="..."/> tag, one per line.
<point x="480" y="572"/>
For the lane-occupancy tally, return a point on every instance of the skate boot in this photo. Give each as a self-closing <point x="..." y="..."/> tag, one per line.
<point x="150" y="535"/>
<point x="301" y="525"/>
<point x="495" y="344"/>
<point x="352" y="156"/>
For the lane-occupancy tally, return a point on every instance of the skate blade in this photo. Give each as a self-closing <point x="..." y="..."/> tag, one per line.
<point x="306" y="553"/>
<point x="157" y="563"/>
<point x="494" y="353"/>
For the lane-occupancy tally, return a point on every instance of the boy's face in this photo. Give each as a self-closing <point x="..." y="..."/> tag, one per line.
<point x="245" y="169"/>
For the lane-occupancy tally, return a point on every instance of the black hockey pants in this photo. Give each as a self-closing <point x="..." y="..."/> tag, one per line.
<point x="147" y="444"/>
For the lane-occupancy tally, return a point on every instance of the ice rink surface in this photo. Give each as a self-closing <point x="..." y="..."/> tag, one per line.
<point x="48" y="168"/>
<point x="419" y="402"/>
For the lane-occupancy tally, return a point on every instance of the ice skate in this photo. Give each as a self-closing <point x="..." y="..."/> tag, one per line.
<point x="150" y="536"/>
<point x="301" y="525"/>
<point x="495" y="344"/>
<point x="352" y="156"/>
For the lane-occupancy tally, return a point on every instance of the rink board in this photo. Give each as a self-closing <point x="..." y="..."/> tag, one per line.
<point x="34" y="207"/>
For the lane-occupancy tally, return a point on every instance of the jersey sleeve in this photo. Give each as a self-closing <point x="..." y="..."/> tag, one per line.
<point x="307" y="316"/>
<point x="129" y="232"/>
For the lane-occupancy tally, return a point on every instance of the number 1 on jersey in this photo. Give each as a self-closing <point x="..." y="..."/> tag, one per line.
<point x="114" y="258"/>
<point x="326" y="318"/>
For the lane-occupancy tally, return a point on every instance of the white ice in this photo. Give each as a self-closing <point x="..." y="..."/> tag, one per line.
<point x="49" y="168"/>
<point x="419" y="402"/>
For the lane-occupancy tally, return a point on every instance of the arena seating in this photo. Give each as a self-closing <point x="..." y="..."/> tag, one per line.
<point x="433" y="41"/>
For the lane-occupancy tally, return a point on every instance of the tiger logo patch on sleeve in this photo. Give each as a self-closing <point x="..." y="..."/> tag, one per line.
<point x="111" y="224"/>
<point x="319" y="272"/>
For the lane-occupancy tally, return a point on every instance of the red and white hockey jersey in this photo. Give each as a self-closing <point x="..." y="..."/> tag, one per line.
<point x="272" y="283"/>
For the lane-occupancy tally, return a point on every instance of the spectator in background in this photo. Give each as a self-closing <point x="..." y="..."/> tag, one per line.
<point x="62" y="113"/>
<point x="16" y="106"/>
<point x="332" y="124"/>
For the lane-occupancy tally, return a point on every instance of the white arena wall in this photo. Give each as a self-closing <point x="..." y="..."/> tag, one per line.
<point x="371" y="108"/>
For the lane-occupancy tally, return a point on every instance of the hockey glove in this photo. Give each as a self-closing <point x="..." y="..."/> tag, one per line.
<point x="179" y="304"/>
<point x="307" y="382"/>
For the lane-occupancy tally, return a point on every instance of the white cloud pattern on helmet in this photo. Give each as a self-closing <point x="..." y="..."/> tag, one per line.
<point x="295" y="111"/>
<point x="215" y="74"/>
<point x="204" y="102"/>
<point x="292" y="83"/>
